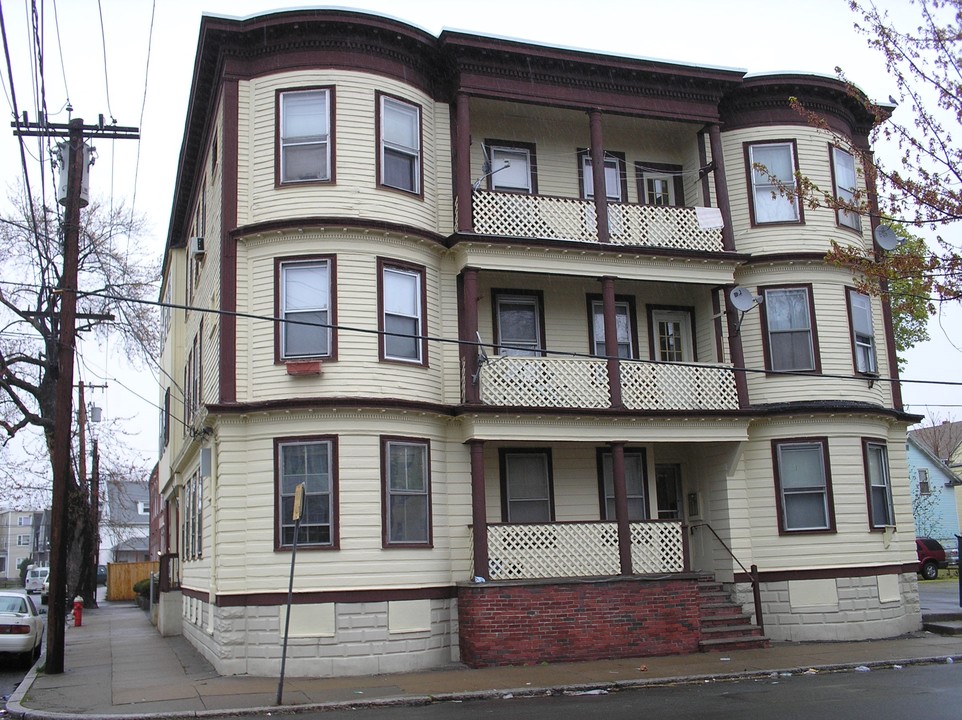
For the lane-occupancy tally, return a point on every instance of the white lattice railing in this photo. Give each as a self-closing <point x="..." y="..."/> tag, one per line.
<point x="581" y="549"/>
<point x="583" y="383"/>
<point x="666" y="386"/>
<point x="557" y="218"/>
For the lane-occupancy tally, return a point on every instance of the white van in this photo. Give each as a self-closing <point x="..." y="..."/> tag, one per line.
<point x="36" y="577"/>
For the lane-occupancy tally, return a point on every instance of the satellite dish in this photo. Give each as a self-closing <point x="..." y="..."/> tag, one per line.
<point x="741" y="299"/>
<point x="886" y="238"/>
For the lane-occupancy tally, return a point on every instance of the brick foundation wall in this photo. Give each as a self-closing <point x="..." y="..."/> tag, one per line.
<point x="563" y="621"/>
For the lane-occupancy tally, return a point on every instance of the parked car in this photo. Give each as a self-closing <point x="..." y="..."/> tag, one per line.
<point x="931" y="557"/>
<point x="21" y="627"/>
<point x="101" y="574"/>
<point x="35" y="577"/>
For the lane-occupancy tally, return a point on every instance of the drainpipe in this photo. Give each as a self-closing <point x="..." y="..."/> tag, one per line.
<point x="611" y="341"/>
<point x="621" y="506"/>
<point x="479" y="513"/>
<point x="462" y="163"/>
<point x="598" y="174"/>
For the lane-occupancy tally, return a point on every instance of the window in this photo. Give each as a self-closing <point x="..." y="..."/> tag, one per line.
<point x="193" y="529"/>
<point x="24" y="520"/>
<point x="880" y="510"/>
<point x="803" y="485"/>
<point x="924" y="487"/>
<point x="405" y="467"/>
<point x="23" y="540"/>
<point x="305" y="301"/>
<point x="843" y="173"/>
<point x="526" y="486"/>
<point x="165" y="420"/>
<point x="624" y="321"/>
<point x="863" y="334"/>
<point x="400" y="145"/>
<point x="790" y="333"/>
<point x="614" y="177"/>
<point x="143" y="508"/>
<point x="659" y="184"/>
<point x="771" y="169"/>
<point x="671" y="336"/>
<point x="402" y="320"/>
<point x="304" y="139"/>
<point x="668" y="491"/>
<point x="518" y="324"/>
<point x="312" y="462"/>
<point x="636" y="481"/>
<point x="512" y="167"/>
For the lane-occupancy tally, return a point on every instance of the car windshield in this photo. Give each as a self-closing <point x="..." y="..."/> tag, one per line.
<point x="13" y="605"/>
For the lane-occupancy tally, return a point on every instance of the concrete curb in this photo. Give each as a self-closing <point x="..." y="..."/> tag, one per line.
<point x="16" y="709"/>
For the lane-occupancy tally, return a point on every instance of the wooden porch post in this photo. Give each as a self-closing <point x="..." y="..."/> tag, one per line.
<point x="735" y="347"/>
<point x="479" y="513"/>
<point x="611" y="341"/>
<point x="721" y="187"/>
<point x="469" y="325"/>
<point x="598" y="174"/>
<point x="462" y="164"/>
<point x="621" y="506"/>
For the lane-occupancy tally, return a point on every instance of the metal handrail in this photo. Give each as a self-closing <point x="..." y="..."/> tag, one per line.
<point x="753" y="574"/>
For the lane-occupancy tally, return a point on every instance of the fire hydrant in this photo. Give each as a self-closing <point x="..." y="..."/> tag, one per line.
<point x="78" y="611"/>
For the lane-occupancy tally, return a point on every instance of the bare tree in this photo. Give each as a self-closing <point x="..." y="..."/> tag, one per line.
<point x="115" y="279"/>
<point x="941" y="437"/>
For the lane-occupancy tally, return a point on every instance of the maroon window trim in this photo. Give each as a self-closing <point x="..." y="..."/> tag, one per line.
<point x="749" y="187"/>
<point x="660" y="168"/>
<point x="600" y="454"/>
<point x="498" y="293"/>
<point x="331" y="124"/>
<point x="378" y="109"/>
<point x="622" y="172"/>
<point x="866" y="443"/>
<point x="335" y="543"/>
<point x="763" y="319"/>
<point x="829" y="498"/>
<point x="386" y="542"/>
<point x="384" y="264"/>
<point x="652" y="345"/>
<point x="503" y="470"/>
<point x="331" y="260"/>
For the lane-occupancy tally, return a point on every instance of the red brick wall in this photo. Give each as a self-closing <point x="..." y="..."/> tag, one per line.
<point x="563" y="621"/>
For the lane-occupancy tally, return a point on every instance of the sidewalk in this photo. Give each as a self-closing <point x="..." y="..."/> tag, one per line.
<point x="118" y="665"/>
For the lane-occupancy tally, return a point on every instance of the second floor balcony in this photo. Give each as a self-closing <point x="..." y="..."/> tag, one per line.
<point x="558" y="218"/>
<point x="547" y="382"/>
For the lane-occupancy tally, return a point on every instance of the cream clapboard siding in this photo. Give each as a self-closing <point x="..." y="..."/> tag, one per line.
<point x="558" y="135"/>
<point x="852" y="544"/>
<point x="247" y="561"/>
<point x="834" y="339"/>
<point x="357" y="371"/>
<point x="814" y="162"/>
<point x="354" y="194"/>
<point x="566" y="310"/>
<point x="173" y="356"/>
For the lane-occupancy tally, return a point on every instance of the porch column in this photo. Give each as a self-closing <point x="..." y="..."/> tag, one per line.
<point x="735" y="347"/>
<point x="621" y="506"/>
<point x="611" y="340"/>
<point x="598" y="174"/>
<point x="462" y="164"/>
<point x="479" y="513"/>
<point x="721" y="187"/>
<point x="469" y="334"/>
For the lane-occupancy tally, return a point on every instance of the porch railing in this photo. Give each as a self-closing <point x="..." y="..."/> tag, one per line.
<point x="519" y="551"/>
<point x="560" y="218"/>
<point x="583" y="383"/>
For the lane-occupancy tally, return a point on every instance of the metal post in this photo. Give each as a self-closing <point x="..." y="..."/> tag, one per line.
<point x="298" y="501"/>
<point x="958" y="541"/>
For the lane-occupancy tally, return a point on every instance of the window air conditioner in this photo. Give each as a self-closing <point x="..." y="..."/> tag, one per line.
<point x="196" y="246"/>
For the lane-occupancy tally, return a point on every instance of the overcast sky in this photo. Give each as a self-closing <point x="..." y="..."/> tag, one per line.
<point x="754" y="35"/>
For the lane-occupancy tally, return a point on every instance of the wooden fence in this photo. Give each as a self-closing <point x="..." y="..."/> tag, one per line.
<point x="122" y="576"/>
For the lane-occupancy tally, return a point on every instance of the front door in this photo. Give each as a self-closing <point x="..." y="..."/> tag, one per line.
<point x="668" y="489"/>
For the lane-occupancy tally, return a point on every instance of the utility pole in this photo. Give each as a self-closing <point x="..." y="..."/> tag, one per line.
<point x="63" y="413"/>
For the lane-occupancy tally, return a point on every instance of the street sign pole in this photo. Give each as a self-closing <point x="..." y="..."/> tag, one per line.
<point x="298" y="503"/>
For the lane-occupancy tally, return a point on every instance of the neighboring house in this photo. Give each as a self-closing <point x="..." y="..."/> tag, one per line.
<point x="934" y="488"/>
<point x="16" y="542"/>
<point x="944" y="441"/>
<point x="358" y="203"/>
<point x="125" y="524"/>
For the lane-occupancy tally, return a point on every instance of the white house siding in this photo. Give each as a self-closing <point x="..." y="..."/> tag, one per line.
<point x="838" y="379"/>
<point x="357" y="371"/>
<point x="354" y="193"/>
<point x="820" y="227"/>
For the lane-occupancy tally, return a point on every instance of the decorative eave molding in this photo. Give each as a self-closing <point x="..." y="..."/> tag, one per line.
<point x="328" y="404"/>
<point x="321" y="224"/>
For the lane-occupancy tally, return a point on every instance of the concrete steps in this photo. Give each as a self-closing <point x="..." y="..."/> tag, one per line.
<point x="724" y="627"/>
